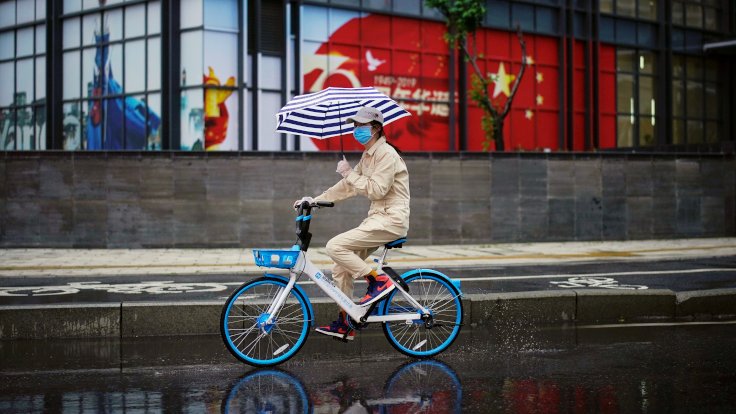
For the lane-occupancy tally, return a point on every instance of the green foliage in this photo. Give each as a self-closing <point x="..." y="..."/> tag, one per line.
<point x="463" y="16"/>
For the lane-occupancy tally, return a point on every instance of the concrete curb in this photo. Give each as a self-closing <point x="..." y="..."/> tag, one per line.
<point x="538" y="308"/>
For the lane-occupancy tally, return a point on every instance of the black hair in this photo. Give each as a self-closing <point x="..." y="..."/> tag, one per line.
<point x="382" y="133"/>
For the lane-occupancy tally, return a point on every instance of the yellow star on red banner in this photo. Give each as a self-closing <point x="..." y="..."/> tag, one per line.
<point x="502" y="81"/>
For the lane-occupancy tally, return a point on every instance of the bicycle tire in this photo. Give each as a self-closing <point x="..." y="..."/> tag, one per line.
<point x="248" y="339"/>
<point x="424" y="386"/>
<point x="267" y="390"/>
<point x="435" y="292"/>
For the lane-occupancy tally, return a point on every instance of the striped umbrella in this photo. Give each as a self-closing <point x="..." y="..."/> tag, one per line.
<point x="323" y="114"/>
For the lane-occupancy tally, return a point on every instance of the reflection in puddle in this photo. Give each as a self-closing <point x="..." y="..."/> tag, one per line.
<point x="417" y="387"/>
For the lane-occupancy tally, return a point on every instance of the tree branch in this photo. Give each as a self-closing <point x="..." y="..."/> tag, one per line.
<point x="486" y="103"/>
<point x="514" y="88"/>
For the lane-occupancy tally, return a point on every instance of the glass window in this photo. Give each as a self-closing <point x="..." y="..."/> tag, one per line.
<point x="135" y="60"/>
<point x="546" y="20"/>
<point x="625" y="60"/>
<point x="694" y="68"/>
<point x="647" y="34"/>
<point x="7" y="45"/>
<point x="522" y="14"/>
<point x="380" y="5"/>
<point x="648" y="9"/>
<point x="192" y="65"/>
<point x="626" y="7"/>
<point x="498" y="14"/>
<point x="711" y="19"/>
<point x="25" y="10"/>
<point x="607" y="29"/>
<point x="40" y="78"/>
<point x="625" y="131"/>
<point x="694" y="99"/>
<point x="71" y="75"/>
<point x="678" y="13"/>
<point x="678" y="132"/>
<point x="712" y="132"/>
<point x="646" y="62"/>
<point x="40" y="39"/>
<point x="191" y="13"/>
<point x="647" y="95"/>
<point x="711" y="101"/>
<point x="606" y="6"/>
<point x="24" y="46"/>
<point x="7" y="74"/>
<point x="694" y="15"/>
<point x="154" y="17"/>
<point x="271" y="72"/>
<point x="7" y="13"/>
<point x="221" y="14"/>
<point x="408" y="6"/>
<point x="154" y="64"/>
<point x="135" y="21"/>
<point x="626" y="32"/>
<point x="625" y="95"/>
<point x="24" y="79"/>
<point x="71" y="33"/>
<point x="678" y="98"/>
<point x="694" y="132"/>
<point x="647" y="135"/>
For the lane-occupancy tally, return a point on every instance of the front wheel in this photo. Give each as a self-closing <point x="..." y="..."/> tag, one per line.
<point x="249" y="336"/>
<point x="417" y="338"/>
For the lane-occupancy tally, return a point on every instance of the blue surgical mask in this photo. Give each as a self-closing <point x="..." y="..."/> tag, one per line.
<point x="362" y="134"/>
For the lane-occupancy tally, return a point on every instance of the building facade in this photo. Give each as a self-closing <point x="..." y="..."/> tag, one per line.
<point x="210" y="75"/>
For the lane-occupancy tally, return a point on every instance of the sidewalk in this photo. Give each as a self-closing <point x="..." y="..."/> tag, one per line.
<point x="108" y="262"/>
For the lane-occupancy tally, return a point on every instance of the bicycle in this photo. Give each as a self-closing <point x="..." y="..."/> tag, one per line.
<point x="266" y="321"/>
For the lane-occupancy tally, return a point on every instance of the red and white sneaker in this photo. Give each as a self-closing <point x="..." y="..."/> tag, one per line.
<point x="378" y="288"/>
<point x="338" y="329"/>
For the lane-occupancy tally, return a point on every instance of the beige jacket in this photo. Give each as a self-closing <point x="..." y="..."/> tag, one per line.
<point x="380" y="175"/>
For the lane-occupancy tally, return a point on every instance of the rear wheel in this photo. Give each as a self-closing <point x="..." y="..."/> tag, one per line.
<point x="249" y="336"/>
<point x="424" y="338"/>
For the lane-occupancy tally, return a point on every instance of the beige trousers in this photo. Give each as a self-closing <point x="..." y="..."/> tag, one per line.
<point x="350" y="249"/>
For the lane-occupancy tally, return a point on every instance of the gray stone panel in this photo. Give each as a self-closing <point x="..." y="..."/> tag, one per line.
<point x="504" y="177"/>
<point x="446" y="222"/>
<point x="640" y="217"/>
<point x="601" y="306"/>
<point x="256" y="178"/>
<point x="420" y="177"/>
<point x="223" y="223"/>
<point x="588" y="218"/>
<point x="190" y="221"/>
<point x="49" y="321"/>
<point x="475" y="183"/>
<point x="689" y="217"/>
<point x="713" y="217"/>
<point x="22" y="178"/>
<point x="256" y="223"/>
<point x="533" y="178"/>
<point x="712" y="177"/>
<point x="420" y="222"/>
<point x="688" y="178"/>
<point x="123" y="221"/>
<point x="639" y="177"/>
<point x="664" y="216"/>
<point x="615" y="213"/>
<point x="123" y="179"/>
<point x="21" y="222"/>
<point x="289" y="179"/>
<point x="56" y="218"/>
<point x="534" y="213"/>
<point x="613" y="176"/>
<point x="475" y="216"/>
<point x="561" y="219"/>
<point x="156" y="223"/>
<point x="190" y="178"/>
<point x="505" y="221"/>
<point x="152" y="319"/>
<point x="588" y="178"/>
<point x="447" y="180"/>
<point x="90" y="178"/>
<point x="283" y="221"/>
<point x="90" y="223"/>
<point x="56" y="178"/>
<point x="3" y="179"/>
<point x="560" y="178"/>
<point x="157" y="179"/>
<point x="223" y="179"/>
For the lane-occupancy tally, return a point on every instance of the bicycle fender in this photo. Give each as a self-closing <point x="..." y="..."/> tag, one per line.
<point x="299" y="291"/>
<point x="453" y="282"/>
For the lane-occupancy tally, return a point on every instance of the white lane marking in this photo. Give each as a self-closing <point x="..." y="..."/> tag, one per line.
<point x="654" y="324"/>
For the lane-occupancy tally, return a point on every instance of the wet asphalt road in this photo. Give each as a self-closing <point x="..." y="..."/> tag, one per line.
<point x="683" y="368"/>
<point x="677" y="275"/>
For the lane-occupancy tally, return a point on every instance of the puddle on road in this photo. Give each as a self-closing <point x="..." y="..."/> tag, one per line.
<point x="643" y="369"/>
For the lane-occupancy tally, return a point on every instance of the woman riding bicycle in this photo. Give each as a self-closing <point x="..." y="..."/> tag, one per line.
<point x="382" y="176"/>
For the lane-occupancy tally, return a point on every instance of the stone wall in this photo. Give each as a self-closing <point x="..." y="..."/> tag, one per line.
<point x="121" y="199"/>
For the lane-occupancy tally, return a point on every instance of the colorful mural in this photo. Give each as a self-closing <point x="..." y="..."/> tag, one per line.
<point x="118" y="122"/>
<point x="216" y="115"/>
<point x="408" y="60"/>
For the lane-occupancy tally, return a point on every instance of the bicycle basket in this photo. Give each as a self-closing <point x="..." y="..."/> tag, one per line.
<point x="283" y="259"/>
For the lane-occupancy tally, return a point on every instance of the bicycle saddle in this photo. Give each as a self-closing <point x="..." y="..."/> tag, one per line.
<point x="396" y="243"/>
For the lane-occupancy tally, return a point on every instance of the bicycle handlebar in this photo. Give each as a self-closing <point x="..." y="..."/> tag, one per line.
<point x="303" y="218"/>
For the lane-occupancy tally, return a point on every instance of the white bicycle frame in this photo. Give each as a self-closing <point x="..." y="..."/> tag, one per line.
<point x="304" y="266"/>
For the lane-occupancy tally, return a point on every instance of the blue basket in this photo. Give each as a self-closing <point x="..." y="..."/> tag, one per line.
<point x="283" y="259"/>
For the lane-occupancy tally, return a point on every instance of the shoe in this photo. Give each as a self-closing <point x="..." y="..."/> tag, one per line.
<point x="378" y="287"/>
<point x="338" y="329"/>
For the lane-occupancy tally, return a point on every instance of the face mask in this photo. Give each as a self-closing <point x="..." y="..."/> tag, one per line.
<point x="362" y="134"/>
